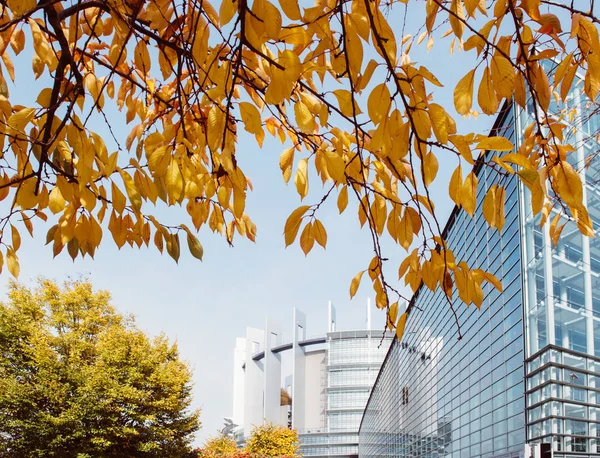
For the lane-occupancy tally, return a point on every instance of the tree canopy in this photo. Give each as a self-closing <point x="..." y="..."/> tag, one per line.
<point x="333" y="80"/>
<point x="271" y="440"/>
<point x="79" y="380"/>
<point x="218" y="446"/>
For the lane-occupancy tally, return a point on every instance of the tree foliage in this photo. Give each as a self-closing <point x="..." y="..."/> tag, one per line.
<point x="271" y="440"/>
<point x="333" y="80"/>
<point x="79" y="380"/>
<point x="285" y="398"/>
<point x="220" y="445"/>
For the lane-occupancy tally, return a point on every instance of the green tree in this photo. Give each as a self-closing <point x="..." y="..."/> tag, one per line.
<point x="220" y="445"/>
<point x="77" y="379"/>
<point x="273" y="441"/>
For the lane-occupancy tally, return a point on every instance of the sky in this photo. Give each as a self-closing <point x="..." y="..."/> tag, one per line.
<point x="205" y="305"/>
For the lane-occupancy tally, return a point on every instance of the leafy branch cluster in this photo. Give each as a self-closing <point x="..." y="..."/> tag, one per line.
<point x="331" y="80"/>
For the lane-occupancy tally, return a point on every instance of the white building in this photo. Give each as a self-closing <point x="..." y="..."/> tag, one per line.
<point x="330" y="378"/>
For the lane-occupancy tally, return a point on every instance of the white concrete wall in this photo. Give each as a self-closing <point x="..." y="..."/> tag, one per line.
<point x="315" y="389"/>
<point x="254" y="381"/>
<point x="298" y="371"/>
<point x="272" y="378"/>
<point x="239" y="358"/>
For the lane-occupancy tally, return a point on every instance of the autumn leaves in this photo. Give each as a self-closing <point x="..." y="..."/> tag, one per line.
<point x="333" y="81"/>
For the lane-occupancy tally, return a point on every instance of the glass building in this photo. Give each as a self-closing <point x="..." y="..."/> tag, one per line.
<point x="327" y="376"/>
<point x="527" y="369"/>
<point x="353" y="360"/>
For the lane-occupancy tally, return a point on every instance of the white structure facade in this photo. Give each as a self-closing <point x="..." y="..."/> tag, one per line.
<point x="330" y="381"/>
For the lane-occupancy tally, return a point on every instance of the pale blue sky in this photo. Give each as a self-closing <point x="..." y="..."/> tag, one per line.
<point x="205" y="305"/>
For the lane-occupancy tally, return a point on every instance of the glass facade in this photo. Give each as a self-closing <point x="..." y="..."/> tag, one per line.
<point x="563" y="401"/>
<point x="527" y="369"/>
<point x="562" y="296"/>
<point x="437" y="396"/>
<point x="353" y="362"/>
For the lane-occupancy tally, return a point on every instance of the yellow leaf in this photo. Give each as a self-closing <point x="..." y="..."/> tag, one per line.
<point x="568" y="184"/>
<point x="173" y="248"/>
<point x="21" y="118"/>
<point x="456" y="16"/>
<point x="541" y="86"/>
<point x="355" y="283"/>
<point x="142" y="57"/>
<point x="455" y="187"/>
<point x="44" y="97"/>
<point x="503" y="76"/>
<point x="486" y="96"/>
<point x="285" y="163"/>
<point x="401" y="325"/>
<point x="392" y="315"/>
<point x="292" y="225"/>
<point x="471" y="6"/>
<point x="430" y="168"/>
<point x="301" y="178"/>
<point x="251" y="118"/>
<point x="463" y="93"/>
<point x="379" y="103"/>
<point x="13" y="263"/>
<point x="441" y="123"/>
<point x="291" y="9"/>
<point x="500" y="218"/>
<point x="354" y="52"/>
<point x="56" y="202"/>
<point x="159" y="160"/>
<point x="342" y="201"/>
<point x="468" y="193"/>
<point x="19" y="8"/>
<point x="344" y="99"/>
<point x="132" y="192"/>
<point x="489" y="206"/>
<point x="405" y="231"/>
<point x="194" y="245"/>
<point x="16" y="238"/>
<point x="227" y="11"/>
<point x="174" y="181"/>
<point x="320" y="233"/>
<point x="518" y="159"/>
<point x="307" y="238"/>
<point x="273" y="21"/>
<point x="495" y="144"/>
<point x="118" y="199"/>
<point x="335" y="166"/>
<point x="304" y="118"/>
